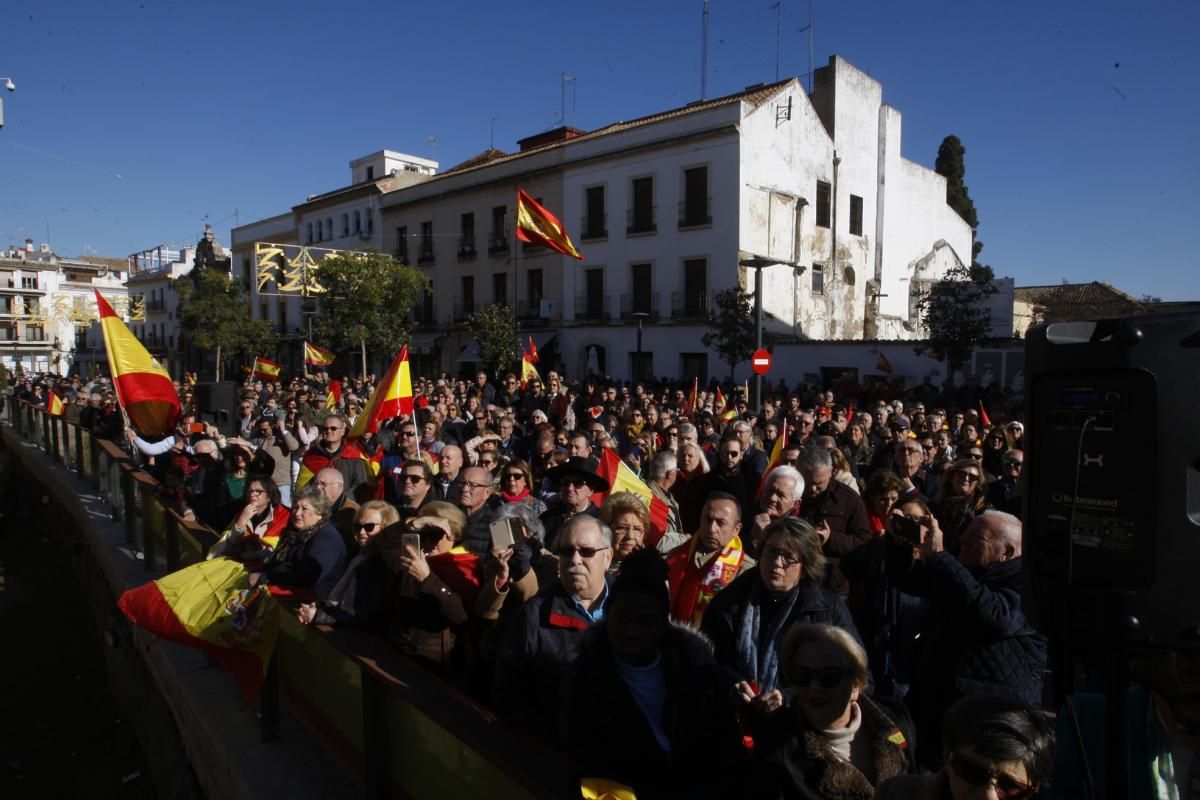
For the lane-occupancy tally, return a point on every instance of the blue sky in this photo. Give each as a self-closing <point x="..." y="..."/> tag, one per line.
<point x="134" y="119"/>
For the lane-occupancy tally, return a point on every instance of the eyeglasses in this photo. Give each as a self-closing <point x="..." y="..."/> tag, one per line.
<point x="567" y="551"/>
<point x="1011" y="463"/>
<point x="573" y="482"/>
<point x="473" y="485"/>
<point x="413" y="478"/>
<point x="730" y="453"/>
<point x="328" y="428"/>
<point x="369" y="527"/>
<point x="962" y="473"/>
<point x="408" y="433"/>
<point x="772" y="554"/>
<point x="827" y="677"/>
<point x="976" y="774"/>
<point x="515" y="476"/>
<point x="256" y="491"/>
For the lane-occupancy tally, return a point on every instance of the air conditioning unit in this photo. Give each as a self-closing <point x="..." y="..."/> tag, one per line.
<point x="547" y="310"/>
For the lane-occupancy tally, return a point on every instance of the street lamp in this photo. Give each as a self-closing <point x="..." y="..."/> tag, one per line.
<point x="12" y="87"/>
<point x="639" y="368"/>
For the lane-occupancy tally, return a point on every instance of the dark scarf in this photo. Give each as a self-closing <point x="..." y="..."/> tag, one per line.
<point x="290" y="544"/>
<point x="762" y="667"/>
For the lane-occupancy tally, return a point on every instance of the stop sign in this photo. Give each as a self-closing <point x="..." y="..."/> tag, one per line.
<point x="760" y="362"/>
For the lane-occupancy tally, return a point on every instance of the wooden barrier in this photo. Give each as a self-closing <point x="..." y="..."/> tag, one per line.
<point x="395" y="728"/>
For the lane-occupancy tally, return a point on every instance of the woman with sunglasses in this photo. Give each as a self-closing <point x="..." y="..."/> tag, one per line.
<point x="357" y="598"/>
<point x="834" y="741"/>
<point x="992" y="748"/>
<point x="995" y="444"/>
<point x="516" y="486"/>
<point x="961" y="498"/>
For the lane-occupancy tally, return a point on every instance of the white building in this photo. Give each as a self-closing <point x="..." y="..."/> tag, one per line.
<point x="151" y="276"/>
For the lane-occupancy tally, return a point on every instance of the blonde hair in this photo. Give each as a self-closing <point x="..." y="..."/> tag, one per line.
<point x="839" y="638"/>
<point x="620" y="503"/>
<point x="451" y="513"/>
<point x="387" y="512"/>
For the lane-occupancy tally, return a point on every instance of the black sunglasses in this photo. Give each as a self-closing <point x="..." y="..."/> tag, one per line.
<point x="827" y="677"/>
<point x="328" y="428"/>
<point x="584" y="552"/>
<point x="976" y="774"/>
<point x="369" y="527"/>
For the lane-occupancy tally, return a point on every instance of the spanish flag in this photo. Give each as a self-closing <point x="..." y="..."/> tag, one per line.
<point x="536" y="225"/>
<point x="776" y="457"/>
<point x="54" y="405"/>
<point x="144" y="388"/>
<point x="267" y="370"/>
<point x="528" y="371"/>
<point x="334" y="398"/>
<point x="317" y="356"/>
<point x="393" y="397"/>
<point x="984" y="419"/>
<point x="212" y="607"/>
<point x="532" y="352"/>
<point x="622" y="479"/>
<point x="693" y="402"/>
<point x="883" y="365"/>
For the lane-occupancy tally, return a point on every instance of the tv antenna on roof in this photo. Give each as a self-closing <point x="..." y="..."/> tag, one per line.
<point x="563" y="102"/>
<point x="433" y="146"/>
<point x="704" y="52"/>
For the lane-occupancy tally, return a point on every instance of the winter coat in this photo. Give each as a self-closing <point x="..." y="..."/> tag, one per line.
<point x="609" y="736"/>
<point x="794" y="761"/>
<point x="849" y="528"/>
<point x="314" y="565"/>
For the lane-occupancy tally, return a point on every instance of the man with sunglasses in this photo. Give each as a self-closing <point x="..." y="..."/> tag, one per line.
<point x="332" y="450"/>
<point x="544" y="641"/>
<point x="981" y="641"/>
<point x="577" y="480"/>
<point x="343" y="507"/>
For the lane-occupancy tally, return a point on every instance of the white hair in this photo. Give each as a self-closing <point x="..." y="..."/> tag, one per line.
<point x="785" y="471"/>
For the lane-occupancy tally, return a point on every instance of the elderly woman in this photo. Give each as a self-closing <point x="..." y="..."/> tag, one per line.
<point x="961" y="498"/>
<point x="747" y="619"/>
<point x="688" y="488"/>
<point x="834" y="743"/>
<point x="358" y="597"/>
<point x="629" y="519"/>
<point x="516" y="486"/>
<point x="310" y="553"/>
<point x="991" y="748"/>
<point x="256" y="526"/>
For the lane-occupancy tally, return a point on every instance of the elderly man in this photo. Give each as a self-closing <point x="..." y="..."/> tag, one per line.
<point x="837" y="513"/>
<point x="544" y="640"/>
<point x="332" y="450"/>
<point x="700" y="568"/>
<point x="981" y="643"/>
<point x="450" y="464"/>
<point x="908" y="462"/>
<point x="661" y="473"/>
<point x="332" y="484"/>
<point x="475" y="498"/>
<point x="780" y="497"/>
<point x="577" y="480"/>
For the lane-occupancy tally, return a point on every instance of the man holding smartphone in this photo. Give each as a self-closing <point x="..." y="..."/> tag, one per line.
<point x="271" y="438"/>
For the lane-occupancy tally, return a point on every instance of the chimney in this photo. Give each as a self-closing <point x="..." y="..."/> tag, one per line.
<point x="549" y="137"/>
<point x="29" y="245"/>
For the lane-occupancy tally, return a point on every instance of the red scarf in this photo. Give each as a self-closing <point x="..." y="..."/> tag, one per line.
<point x="692" y="587"/>
<point x="515" y="498"/>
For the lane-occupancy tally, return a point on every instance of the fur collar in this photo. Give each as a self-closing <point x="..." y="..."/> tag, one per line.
<point x="839" y="780"/>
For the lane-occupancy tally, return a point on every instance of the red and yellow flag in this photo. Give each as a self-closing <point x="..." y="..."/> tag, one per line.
<point x="317" y="356"/>
<point x="532" y="352"/>
<point x="536" y="225"/>
<point x="54" y="405"/>
<point x="144" y="388"/>
<point x="528" y="371"/>
<point x="694" y="401"/>
<point x="984" y="419"/>
<point x="334" y="398"/>
<point x="393" y="397"/>
<point x="622" y="479"/>
<point x="267" y="370"/>
<point x="883" y="365"/>
<point x="776" y="457"/>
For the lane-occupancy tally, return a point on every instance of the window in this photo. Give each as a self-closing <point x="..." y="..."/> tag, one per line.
<point x="467" y="300"/>
<point x="818" y="279"/>
<point x="695" y="210"/>
<point x="309" y="238"/>
<point x="466" y="239"/>
<point x="370" y="222"/>
<point x="855" y="215"/>
<point x="320" y="231"/>
<point x="498" y="238"/>
<point x="329" y="227"/>
<point x="641" y="369"/>
<point x="29" y="282"/>
<point x="641" y="215"/>
<point x="357" y="222"/>
<point x="402" y="244"/>
<point x="694" y="365"/>
<point x="640" y="280"/>
<point x="694" y="302"/>
<point x="595" y="221"/>
<point x="824" y="199"/>
<point x="345" y="224"/>
<point x="370" y="173"/>
<point x="426" y="254"/>
<point x="262" y="310"/>
<point x="593" y="300"/>
<point x="35" y="333"/>
<point x="283" y="316"/>
<point x="533" y="284"/>
<point x="500" y="288"/>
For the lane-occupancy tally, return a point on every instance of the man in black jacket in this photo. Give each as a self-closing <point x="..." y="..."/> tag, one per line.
<point x="982" y="644"/>
<point x="837" y="514"/>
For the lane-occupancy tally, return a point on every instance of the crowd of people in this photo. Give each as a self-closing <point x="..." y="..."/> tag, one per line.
<point x="822" y="600"/>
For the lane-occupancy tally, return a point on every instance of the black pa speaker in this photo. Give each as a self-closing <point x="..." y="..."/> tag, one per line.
<point x="217" y="403"/>
<point x="1112" y="517"/>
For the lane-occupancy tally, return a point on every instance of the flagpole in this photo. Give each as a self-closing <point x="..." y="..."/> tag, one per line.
<point x="516" y="244"/>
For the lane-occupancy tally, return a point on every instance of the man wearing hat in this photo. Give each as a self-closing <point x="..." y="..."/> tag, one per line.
<point x="576" y="480"/>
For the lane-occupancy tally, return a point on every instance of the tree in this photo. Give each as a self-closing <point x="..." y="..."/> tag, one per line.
<point x="495" y="328"/>
<point x="733" y="334"/>
<point x="367" y="302"/>
<point x="952" y="167"/>
<point x="955" y="314"/>
<point x="215" y="314"/>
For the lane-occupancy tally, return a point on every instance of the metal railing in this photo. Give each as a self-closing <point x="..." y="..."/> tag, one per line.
<point x="639" y="304"/>
<point x="691" y="305"/>
<point x="497" y="243"/>
<point x="591" y="308"/>
<point x="366" y="704"/>
<point x="695" y="214"/>
<point x="593" y="227"/>
<point x="641" y="219"/>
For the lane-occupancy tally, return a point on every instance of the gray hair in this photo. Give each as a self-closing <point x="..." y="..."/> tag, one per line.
<point x="583" y="519"/>
<point x="687" y="429"/>
<point x="814" y="458"/>
<point x="664" y="461"/>
<point x="741" y="426"/>
<point x="528" y="517"/>
<point x="320" y="503"/>
<point x="1006" y="524"/>
<point x="785" y="471"/>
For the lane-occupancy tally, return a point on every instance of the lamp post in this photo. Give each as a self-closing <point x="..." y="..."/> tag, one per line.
<point x="638" y="369"/>
<point x="12" y="87"/>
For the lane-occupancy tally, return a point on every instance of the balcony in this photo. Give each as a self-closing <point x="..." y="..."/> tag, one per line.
<point x="466" y="248"/>
<point x="462" y="309"/>
<point x="694" y="215"/>
<point x="691" y="305"/>
<point x="640" y="304"/>
<point x="593" y="227"/>
<point x="426" y="256"/>
<point x="497" y="243"/>
<point x="155" y="305"/>
<point x="591" y="308"/>
<point x="423" y="315"/>
<point x="640" y="220"/>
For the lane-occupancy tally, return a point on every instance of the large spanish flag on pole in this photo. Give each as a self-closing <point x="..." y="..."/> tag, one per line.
<point x="393" y="397"/>
<point x="317" y="356"/>
<point x="622" y="479"/>
<point x="144" y="388"/>
<point x="536" y="225"/>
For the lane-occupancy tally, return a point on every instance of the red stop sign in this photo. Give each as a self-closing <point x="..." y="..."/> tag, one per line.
<point x="760" y="362"/>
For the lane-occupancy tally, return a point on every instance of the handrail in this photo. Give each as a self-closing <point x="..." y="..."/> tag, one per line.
<point x="409" y="732"/>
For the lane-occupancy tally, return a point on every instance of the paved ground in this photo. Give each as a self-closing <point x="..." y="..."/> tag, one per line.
<point x="61" y="735"/>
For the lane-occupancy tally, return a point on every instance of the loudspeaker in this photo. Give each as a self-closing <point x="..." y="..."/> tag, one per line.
<point x="1112" y="465"/>
<point x="216" y="403"/>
